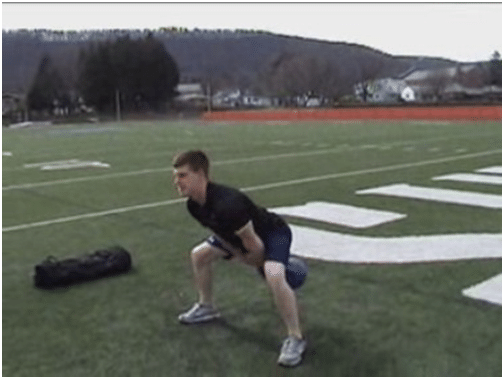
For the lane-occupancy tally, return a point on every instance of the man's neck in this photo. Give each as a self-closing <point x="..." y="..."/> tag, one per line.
<point x="200" y="196"/>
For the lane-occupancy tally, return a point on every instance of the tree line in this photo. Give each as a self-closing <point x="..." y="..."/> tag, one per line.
<point x="139" y="73"/>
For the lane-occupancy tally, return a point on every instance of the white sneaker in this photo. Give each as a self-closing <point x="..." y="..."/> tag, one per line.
<point x="292" y="352"/>
<point x="199" y="313"/>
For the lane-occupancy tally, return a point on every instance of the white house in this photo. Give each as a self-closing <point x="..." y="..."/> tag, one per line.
<point x="191" y="94"/>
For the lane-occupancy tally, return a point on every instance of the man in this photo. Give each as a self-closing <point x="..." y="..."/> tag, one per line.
<point x="245" y="232"/>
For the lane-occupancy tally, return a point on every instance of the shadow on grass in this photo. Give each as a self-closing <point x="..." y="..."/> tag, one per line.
<point x="330" y="351"/>
<point x="335" y="352"/>
<point x="219" y="348"/>
<point x="267" y="342"/>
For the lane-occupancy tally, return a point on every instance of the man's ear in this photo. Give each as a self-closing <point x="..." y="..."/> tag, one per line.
<point x="201" y="173"/>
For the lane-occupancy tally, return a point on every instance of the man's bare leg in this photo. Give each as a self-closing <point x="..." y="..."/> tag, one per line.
<point x="284" y="297"/>
<point x="202" y="257"/>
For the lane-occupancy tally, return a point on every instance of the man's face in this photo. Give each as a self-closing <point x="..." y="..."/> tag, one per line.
<point x="186" y="180"/>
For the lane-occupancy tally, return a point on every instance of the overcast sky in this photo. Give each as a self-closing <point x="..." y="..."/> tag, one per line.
<point x="459" y="31"/>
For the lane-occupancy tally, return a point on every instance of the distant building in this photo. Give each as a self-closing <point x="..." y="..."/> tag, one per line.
<point x="234" y="98"/>
<point x="11" y="102"/>
<point x="455" y="91"/>
<point x="191" y="94"/>
<point x="13" y="108"/>
<point x="231" y="98"/>
<point x="385" y="90"/>
<point x="257" y="101"/>
<point x="462" y="81"/>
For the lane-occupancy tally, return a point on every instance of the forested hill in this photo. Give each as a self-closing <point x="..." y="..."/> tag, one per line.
<point x="259" y="61"/>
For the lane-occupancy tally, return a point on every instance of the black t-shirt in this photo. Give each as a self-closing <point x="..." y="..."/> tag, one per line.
<point x="227" y="210"/>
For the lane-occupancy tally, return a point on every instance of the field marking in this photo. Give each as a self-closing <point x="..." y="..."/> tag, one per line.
<point x="84" y="179"/>
<point x="490" y="290"/>
<point x="402" y="190"/>
<point x="338" y="247"/>
<point x="91" y="215"/>
<point x="66" y="164"/>
<point x="41" y="164"/>
<point x="91" y="130"/>
<point x="471" y="178"/>
<point x="254" y="188"/>
<point x="78" y="164"/>
<point x="165" y="169"/>
<point x="340" y="214"/>
<point x="342" y="148"/>
<point x="372" y="170"/>
<point x="491" y="170"/>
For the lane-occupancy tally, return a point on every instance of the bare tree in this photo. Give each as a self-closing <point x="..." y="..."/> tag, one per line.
<point x="436" y="82"/>
<point x="295" y="74"/>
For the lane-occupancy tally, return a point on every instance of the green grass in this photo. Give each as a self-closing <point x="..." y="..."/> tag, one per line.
<point x="361" y="320"/>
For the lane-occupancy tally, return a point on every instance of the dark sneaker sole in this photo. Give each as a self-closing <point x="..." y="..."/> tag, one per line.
<point x="294" y="362"/>
<point x="199" y="320"/>
<point x="291" y="364"/>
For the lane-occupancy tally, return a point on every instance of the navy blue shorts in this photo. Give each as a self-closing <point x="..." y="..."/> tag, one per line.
<point x="277" y="245"/>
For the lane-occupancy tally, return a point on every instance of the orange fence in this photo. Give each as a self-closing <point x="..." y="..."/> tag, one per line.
<point x="469" y="113"/>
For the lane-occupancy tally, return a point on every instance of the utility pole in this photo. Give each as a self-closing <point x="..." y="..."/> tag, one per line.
<point x="209" y="98"/>
<point x="118" y="106"/>
<point x="24" y="102"/>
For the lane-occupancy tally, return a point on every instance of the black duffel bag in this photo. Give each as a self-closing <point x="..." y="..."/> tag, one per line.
<point x="54" y="273"/>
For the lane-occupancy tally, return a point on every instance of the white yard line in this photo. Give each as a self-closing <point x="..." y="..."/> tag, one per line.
<point x="471" y="178"/>
<point x="338" y="247"/>
<point x="40" y="164"/>
<point x="344" y="148"/>
<point x="84" y="179"/>
<point x="490" y="290"/>
<point x="91" y="215"/>
<point x="164" y="169"/>
<point x="74" y="165"/>
<point x="491" y="170"/>
<point x="475" y="199"/>
<point x="250" y="189"/>
<point x="372" y="170"/>
<point x="340" y="214"/>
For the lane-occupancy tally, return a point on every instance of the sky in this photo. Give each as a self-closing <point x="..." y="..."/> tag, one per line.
<point x="464" y="32"/>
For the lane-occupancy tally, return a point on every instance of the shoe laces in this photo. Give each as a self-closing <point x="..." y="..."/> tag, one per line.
<point x="289" y="344"/>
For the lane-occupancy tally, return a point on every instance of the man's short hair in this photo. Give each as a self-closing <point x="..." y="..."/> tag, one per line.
<point x="196" y="159"/>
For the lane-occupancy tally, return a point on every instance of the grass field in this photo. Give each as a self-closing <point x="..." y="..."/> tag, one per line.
<point x="360" y="320"/>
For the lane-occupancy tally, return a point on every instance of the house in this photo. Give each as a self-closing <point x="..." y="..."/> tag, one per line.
<point x="456" y="91"/>
<point x="424" y="85"/>
<point x="389" y="90"/>
<point x="227" y="99"/>
<point x="254" y="101"/>
<point x="191" y="94"/>
<point x="11" y="102"/>
<point x="234" y="98"/>
<point x="13" y="108"/>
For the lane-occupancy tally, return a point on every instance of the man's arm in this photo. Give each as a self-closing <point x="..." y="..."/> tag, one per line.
<point x="252" y="244"/>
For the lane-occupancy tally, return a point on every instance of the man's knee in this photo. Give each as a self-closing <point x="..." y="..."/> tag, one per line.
<point x="274" y="272"/>
<point x="204" y="253"/>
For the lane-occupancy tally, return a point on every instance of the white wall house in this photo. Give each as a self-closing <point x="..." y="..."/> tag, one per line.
<point x="389" y="90"/>
<point x="424" y="85"/>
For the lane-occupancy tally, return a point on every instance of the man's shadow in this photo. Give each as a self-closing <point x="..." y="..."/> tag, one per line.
<point x="330" y="351"/>
<point x="337" y="352"/>
<point x="267" y="342"/>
